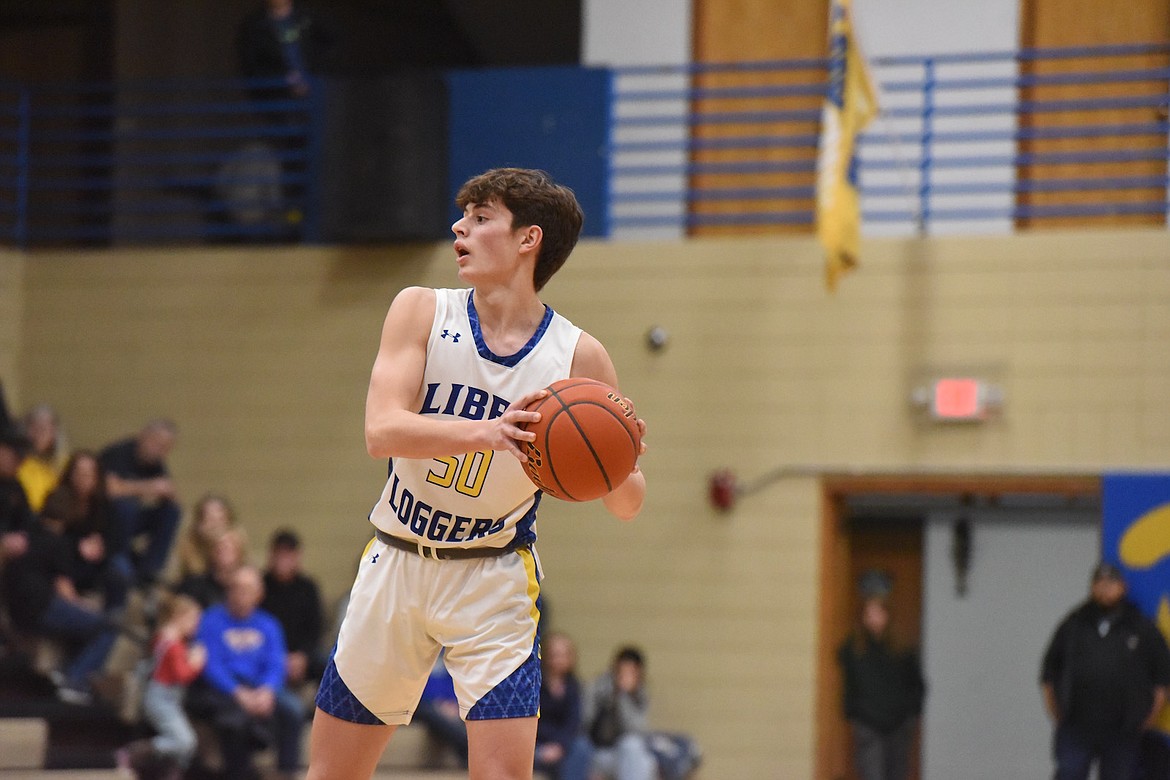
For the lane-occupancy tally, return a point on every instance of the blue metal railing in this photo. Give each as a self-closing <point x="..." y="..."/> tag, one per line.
<point x="988" y="141"/>
<point x="96" y="163"/>
<point x="965" y="141"/>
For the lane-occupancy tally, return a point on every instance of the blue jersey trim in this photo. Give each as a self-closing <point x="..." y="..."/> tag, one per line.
<point x="517" y="696"/>
<point x="526" y="526"/>
<point x="507" y="360"/>
<point x="335" y="698"/>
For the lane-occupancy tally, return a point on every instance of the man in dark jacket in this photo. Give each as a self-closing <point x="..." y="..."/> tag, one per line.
<point x="1104" y="678"/>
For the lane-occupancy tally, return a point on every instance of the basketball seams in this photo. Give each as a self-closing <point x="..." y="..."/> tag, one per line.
<point x="590" y="405"/>
<point x="552" y="466"/>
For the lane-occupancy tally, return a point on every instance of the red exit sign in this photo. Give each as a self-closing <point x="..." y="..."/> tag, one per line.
<point x="961" y="399"/>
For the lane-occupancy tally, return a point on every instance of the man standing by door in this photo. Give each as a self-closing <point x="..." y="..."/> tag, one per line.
<point x="1104" y="678"/>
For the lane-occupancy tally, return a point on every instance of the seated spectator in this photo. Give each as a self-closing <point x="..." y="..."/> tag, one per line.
<point x="438" y="711"/>
<point x="294" y="599"/>
<point x="41" y="467"/>
<point x="144" y="499"/>
<point x="89" y="528"/>
<point x="241" y="692"/>
<point x="42" y="599"/>
<point x="562" y="751"/>
<point x="175" y="662"/>
<point x="16" y="517"/>
<point x="615" y="717"/>
<point x="229" y="552"/>
<point x="212" y="516"/>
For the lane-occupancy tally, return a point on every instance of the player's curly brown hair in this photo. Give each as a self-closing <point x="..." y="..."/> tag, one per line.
<point x="534" y="199"/>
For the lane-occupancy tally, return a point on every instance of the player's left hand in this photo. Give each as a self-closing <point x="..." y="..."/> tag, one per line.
<point x="507" y="433"/>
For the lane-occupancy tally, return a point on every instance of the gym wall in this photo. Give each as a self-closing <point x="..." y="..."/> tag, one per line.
<point x="262" y="356"/>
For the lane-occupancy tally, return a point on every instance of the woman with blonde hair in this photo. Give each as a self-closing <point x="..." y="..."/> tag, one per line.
<point x="213" y="514"/>
<point x="40" y="470"/>
<point x="229" y="552"/>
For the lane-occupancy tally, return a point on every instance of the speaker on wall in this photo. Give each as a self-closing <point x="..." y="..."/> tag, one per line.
<point x="384" y="158"/>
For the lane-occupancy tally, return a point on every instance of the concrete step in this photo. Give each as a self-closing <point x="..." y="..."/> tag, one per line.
<point x="23" y="742"/>
<point x="63" y="774"/>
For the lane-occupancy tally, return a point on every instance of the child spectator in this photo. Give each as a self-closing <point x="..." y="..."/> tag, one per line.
<point x="293" y="598"/>
<point x="177" y="661"/>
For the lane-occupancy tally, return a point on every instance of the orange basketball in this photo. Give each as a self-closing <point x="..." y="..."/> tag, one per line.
<point x="587" y="440"/>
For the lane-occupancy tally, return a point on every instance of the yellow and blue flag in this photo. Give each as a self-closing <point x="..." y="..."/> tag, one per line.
<point x="850" y="104"/>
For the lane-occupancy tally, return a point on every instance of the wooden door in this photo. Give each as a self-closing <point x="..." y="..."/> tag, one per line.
<point x="893" y="548"/>
<point x="1116" y="154"/>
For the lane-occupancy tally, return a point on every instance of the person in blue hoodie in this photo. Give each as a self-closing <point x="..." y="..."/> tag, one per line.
<point x="241" y="692"/>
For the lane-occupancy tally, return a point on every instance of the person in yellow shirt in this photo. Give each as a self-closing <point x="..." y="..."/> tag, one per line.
<point x="40" y="470"/>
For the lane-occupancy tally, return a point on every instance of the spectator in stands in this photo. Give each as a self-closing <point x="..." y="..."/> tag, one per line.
<point x="438" y="711"/>
<point x="615" y="717"/>
<point x="16" y="517"/>
<point x="883" y="694"/>
<point x="228" y="554"/>
<point x="562" y="750"/>
<point x="144" y="498"/>
<point x="241" y="692"/>
<point x="89" y="529"/>
<point x="43" y="600"/>
<point x="295" y="600"/>
<point x="281" y="41"/>
<point x="212" y="516"/>
<point x="41" y="467"/>
<point x="175" y="663"/>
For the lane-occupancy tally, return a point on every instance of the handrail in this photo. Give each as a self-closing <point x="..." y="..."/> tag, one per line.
<point x="965" y="140"/>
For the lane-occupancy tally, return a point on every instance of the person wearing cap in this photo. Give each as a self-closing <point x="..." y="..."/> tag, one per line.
<point x="882" y="689"/>
<point x="1104" y="678"/>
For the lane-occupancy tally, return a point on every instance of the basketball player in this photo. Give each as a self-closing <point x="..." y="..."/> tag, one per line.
<point x="452" y="563"/>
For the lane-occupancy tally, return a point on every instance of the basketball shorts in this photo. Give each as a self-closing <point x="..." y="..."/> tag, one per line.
<point x="403" y="608"/>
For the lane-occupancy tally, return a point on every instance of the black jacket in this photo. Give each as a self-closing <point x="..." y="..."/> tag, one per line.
<point x="1104" y="667"/>
<point x="883" y="687"/>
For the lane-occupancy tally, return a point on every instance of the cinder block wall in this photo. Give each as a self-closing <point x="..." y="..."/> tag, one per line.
<point x="262" y="356"/>
<point x="11" y="295"/>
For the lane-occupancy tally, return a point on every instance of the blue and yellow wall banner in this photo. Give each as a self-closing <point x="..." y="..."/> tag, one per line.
<point x="1135" y="535"/>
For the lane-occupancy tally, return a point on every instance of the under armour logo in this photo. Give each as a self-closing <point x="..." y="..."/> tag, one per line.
<point x="454" y="336"/>
<point x="375" y="558"/>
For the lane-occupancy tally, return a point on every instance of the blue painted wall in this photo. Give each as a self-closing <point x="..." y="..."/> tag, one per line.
<point x="555" y="118"/>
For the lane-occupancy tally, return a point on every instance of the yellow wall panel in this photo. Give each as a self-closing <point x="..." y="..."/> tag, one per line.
<point x="262" y="356"/>
<point x="11" y="310"/>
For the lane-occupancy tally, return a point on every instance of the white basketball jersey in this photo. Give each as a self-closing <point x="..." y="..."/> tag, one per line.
<point x="478" y="499"/>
